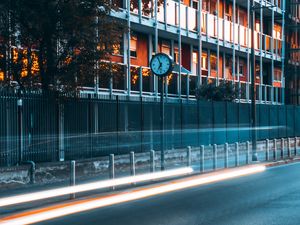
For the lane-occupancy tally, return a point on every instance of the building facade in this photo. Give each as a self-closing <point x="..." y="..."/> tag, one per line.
<point x="211" y="39"/>
<point x="218" y="31"/>
<point x="293" y="52"/>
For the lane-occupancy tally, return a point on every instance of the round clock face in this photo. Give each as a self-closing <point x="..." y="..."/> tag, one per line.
<point x="161" y="64"/>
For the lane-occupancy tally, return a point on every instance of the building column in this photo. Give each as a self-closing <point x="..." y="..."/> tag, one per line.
<point x="248" y="53"/>
<point x="218" y="44"/>
<point x="233" y="40"/>
<point x="150" y="51"/>
<point x="179" y="49"/>
<point x="260" y="55"/>
<point x="283" y="2"/>
<point x="199" y="66"/>
<point x="128" y="75"/>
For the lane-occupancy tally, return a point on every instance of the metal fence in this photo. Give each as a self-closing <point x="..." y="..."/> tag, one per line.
<point x="71" y="128"/>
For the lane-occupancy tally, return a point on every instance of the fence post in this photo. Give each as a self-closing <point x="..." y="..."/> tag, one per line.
<point x="72" y="177"/>
<point x="295" y="147"/>
<point x="31" y="171"/>
<point x="202" y="158"/>
<point x="267" y="149"/>
<point x="112" y="168"/>
<point x="132" y="164"/>
<point x="275" y="149"/>
<point x="215" y="156"/>
<point x="61" y="135"/>
<point x="237" y="154"/>
<point x="282" y="148"/>
<point x="247" y="152"/>
<point x="226" y="155"/>
<point x="289" y="147"/>
<point x="188" y="154"/>
<point x="152" y="161"/>
<point x="20" y="130"/>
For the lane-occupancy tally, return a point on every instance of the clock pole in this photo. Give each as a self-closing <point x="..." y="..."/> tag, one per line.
<point x="162" y="65"/>
<point x="162" y="127"/>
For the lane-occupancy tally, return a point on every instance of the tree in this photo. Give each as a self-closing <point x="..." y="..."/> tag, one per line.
<point x="67" y="38"/>
<point x="225" y="91"/>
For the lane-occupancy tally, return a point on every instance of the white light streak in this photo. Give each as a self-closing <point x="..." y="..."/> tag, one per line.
<point x="47" y="214"/>
<point x="91" y="186"/>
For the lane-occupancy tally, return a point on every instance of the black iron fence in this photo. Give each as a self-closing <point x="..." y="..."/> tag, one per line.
<point x="71" y="128"/>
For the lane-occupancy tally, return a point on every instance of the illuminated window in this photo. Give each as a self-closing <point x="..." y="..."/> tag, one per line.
<point x="213" y="61"/>
<point x="205" y="5"/>
<point x="118" y="49"/>
<point x="165" y="47"/>
<point x="133" y="45"/>
<point x="213" y="7"/>
<point x="204" y="61"/>
<point x="195" y="62"/>
<point x="176" y="54"/>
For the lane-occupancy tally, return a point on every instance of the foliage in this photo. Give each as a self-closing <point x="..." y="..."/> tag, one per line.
<point x="225" y="91"/>
<point x="64" y="39"/>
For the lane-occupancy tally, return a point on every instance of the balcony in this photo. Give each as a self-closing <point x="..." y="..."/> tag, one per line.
<point x="142" y="83"/>
<point x="228" y="32"/>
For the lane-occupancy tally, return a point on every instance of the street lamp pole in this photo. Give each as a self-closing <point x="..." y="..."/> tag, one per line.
<point x="253" y="87"/>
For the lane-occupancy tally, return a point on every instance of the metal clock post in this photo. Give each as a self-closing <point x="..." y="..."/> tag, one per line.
<point x="162" y="65"/>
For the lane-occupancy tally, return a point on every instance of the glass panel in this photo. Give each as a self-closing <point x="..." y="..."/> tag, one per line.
<point x="221" y="23"/>
<point x="243" y="35"/>
<point x="134" y="6"/>
<point x="211" y="25"/>
<point x="183" y="84"/>
<point x="193" y="83"/>
<point x="203" y="22"/>
<point x="160" y="13"/>
<point x="236" y="34"/>
<point x="256" y="40"/>
<point x="243" y="90"/>
<point x="183" y="16"/>
<point x="146" y="73"/>
<point x="279" y="47"/>
<point x="192" y="18"/>
<point x="118" y="73"/>
<point x="171" y="13"/>
<point x="172" y="83"/>
<point x="135" y="81"/>
<point x="267" y="43"/>
<point x="228" y="29"/>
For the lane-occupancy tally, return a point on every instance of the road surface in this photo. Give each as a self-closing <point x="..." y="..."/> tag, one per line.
<point x="271" y="197"/>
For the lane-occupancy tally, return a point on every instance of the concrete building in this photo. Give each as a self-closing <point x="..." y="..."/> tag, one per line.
<point x="218" y="31"/>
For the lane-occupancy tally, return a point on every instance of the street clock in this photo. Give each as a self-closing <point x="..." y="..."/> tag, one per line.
<point x="161" y="64"/>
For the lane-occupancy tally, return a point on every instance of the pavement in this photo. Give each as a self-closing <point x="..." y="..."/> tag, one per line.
<point x="270" y="197"/>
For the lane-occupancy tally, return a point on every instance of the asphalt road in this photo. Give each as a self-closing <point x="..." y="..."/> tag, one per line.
<point x="271" y="197"/>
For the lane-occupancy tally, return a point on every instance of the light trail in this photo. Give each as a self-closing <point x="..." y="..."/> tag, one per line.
<point x="92" y="186"/>
<point x="76" y="207"/>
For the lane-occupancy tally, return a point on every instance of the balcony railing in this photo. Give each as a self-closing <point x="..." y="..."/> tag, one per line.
<point x="142" y="83"/>
<point x="227" y="32"/>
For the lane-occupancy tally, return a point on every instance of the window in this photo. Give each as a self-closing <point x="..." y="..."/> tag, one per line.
<point x="213" y="61"/>
<point x="277" y="74"/>
<point x="204" y="62"/>
<point x="118" y="48"/>
<point x="133" y="45"/>
<point x="176" y="54"/>
<point x="195" y="4"/>
<point x="227" y="12"/>
<point x="277" y="31"/>
<point x="195" y="62"/>
<point x="205" y="5"/>
<point x="241" y="70"/>
<point x="165" y="47"/>
<point x="213" y="7"/>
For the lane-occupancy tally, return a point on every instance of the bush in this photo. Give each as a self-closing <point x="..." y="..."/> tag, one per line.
<point x="225" y="91"/>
